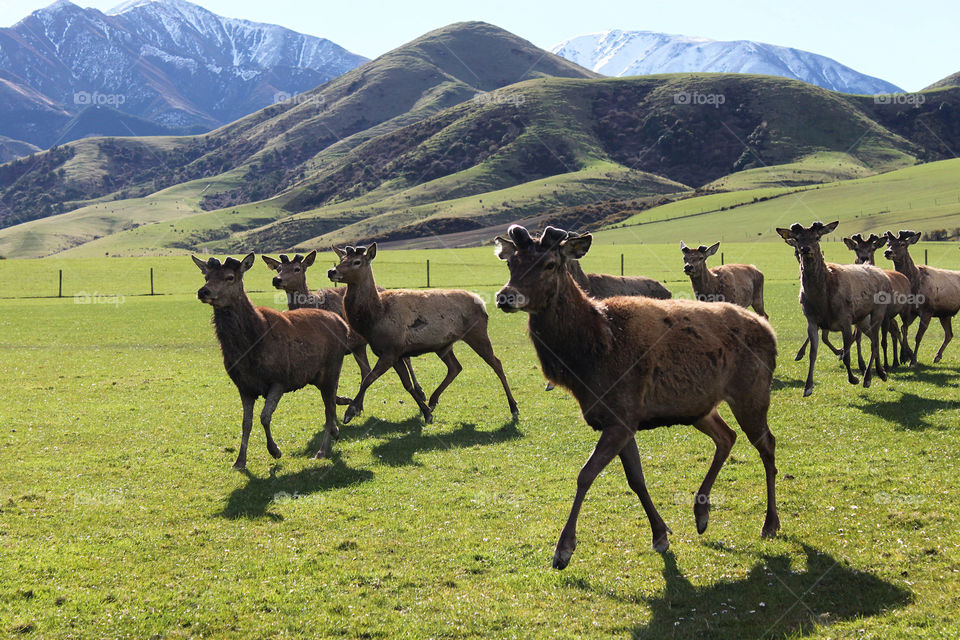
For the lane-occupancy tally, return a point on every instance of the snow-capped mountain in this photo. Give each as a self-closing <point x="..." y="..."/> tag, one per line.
<point x="633" y="53"/>
<point x="169" y="61"/>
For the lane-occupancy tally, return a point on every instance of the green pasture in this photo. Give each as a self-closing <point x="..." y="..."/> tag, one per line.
<point x="120" y="515"/>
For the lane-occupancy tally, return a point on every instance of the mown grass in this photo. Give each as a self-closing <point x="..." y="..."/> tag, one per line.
<point x="120" y="515"/>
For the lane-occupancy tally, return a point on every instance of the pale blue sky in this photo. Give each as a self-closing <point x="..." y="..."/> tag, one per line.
<point x="908" y="44"/>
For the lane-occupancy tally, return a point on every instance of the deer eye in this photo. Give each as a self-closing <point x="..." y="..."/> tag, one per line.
<point x="550" y="266"/>
<point x="229" y="278"/>
<point x="356" y="263"/>
<point x="297" y="270"/>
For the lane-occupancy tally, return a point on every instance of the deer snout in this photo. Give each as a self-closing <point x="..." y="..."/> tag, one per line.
<point x="688" y="269"/>
<point x="277" y="283"/>
<point x="332" y="274"/>
<point x="203" y="295"/>
<point x="888" y="254"/>
<point x="510" y="300"/>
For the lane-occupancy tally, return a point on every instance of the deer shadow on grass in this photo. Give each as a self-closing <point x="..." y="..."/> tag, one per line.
<point x="369" y="428"/>
<point x="400" y="451"/>
<point x="909" y="411"/>
<point x="253" y="500"/>
<point x="796" y="601"/>
<point x="929" y="375"/>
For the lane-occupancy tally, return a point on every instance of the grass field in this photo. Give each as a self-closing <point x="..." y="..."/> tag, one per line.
<point x="120" y="516"/>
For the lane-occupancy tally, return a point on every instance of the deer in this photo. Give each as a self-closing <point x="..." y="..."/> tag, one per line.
<point x="635" y="363"/>
<point x="836" y="297"/>
<point x="292" y="278"/>
<point x="602" y="285"/>
<point x="936" y="291"/>
<point x="268" y="353"/>
<point x="739" y="284"/>
<point x="401" y="323"/>
<point x="900" y="301"/>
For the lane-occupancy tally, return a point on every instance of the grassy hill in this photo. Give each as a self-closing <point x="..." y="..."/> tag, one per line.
<point x="436" y="139"/>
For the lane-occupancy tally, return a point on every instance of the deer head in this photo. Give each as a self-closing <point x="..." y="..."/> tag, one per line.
<point x="899" y="245"/>
<point x="806" y="241"/>
<point x="864" y="248"/>
<point x="354" y="263"/>
<point x="291" y="273"/>
<point x="695" y="260"/>
<point x="224" y="282"/>
<point x="537" y="266"/>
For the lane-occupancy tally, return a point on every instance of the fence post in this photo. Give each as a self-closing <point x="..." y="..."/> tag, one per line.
<point x="428" y="273"/>
<point x="722" y="262"/>
<point x="924" y="257"/>
<point x="60" y="288"/>
<point x="151" y="280"/>
<point x="621" y="264"/>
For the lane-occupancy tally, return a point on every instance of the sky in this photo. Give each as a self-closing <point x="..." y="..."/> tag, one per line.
<point x="910" y="45"/>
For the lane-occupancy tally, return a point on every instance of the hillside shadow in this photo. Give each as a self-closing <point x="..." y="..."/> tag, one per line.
<point x="253" y="500"/>
<point x="772" y="601"/>
<point x="400" y="451"/>
<point x="910" y="411"/>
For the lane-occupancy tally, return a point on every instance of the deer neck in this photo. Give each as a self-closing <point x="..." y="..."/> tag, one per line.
<point x="570" y="336"/>
<point x="813" y="282"/>
<point x="576" y="271"/>
<point x="907" y="267"/>
<point x="704" y="282"/>
<point x="301" y="297"/>
<point x="362" y="302"/>
<point x="240" y="329"/>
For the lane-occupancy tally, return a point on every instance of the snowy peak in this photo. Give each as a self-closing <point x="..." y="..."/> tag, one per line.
<point x="630" y="53"/>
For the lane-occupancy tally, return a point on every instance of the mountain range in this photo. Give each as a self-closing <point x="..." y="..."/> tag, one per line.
<point x="169" y="62"/>
<point x="634" y="53"/>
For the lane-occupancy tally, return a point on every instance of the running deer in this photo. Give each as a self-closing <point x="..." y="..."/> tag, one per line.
<point x="292" y="278"/>
<point x="836" y="297"/>
<point x="740" y="284"/>
<point x="268" y="353"/>
<point x="900" y="302"/>
<point x="402" y="323"/>
<point x="635" y="363"/>
<point x="936" y="291"/>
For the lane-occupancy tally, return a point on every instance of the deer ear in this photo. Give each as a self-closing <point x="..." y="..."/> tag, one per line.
<point x="308" y="261"/>
<point x="576" y="248"/>
<point x="504" y="248"/>
<point x="786" y="234"/>
<point x="827" y="228"/>
<point x="913" y="237"/>
<point x="200" y="264"/>
<point x="247" y="262"/>
<point x="271" y="263"/>
<point x="878" y="241"/>
<point x="340" y="252"/>
<point x="684" y="247"/>
<point x="713" y="249"/>
<point x="371" y="251"/>
<point x="850" y="244"/>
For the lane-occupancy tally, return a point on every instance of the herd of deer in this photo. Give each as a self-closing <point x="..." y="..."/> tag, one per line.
<point x="633" y="357"/>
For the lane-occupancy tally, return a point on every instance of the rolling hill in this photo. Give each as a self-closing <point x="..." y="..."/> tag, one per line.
<point x="461" y="130"/>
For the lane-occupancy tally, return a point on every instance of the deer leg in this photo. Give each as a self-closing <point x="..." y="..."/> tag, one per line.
<point x="873" y="329"/>
<point x="921" y="329"/>
<point x="947" y="324"/>
<point x="847" y="332"/>
<point x="758" y="301"/>
<point x="269" y="406"/>
<point x="857" y="336"/>
<point x="413" y="378"/>
<point x="453" y="370"/>
<point x="479" y="341"/>
<point x="723" y="437"/>
<point x="826" y="340"/>
<point x="905" y="354"/>
<point x="803" y="349"/>
<point x="611" y="443"/>
<point x="328" y="390"/>
<point x="360" y="355"/>
<point x="751" y="415"/>
<point x="404" y="375"/>
<point x="384" y="363"/>
<point x="247" y="402"/>
<point x="813" y="337"/>
<point x="630" y="457"/>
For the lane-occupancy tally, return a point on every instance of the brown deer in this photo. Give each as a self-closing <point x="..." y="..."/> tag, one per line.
<point x="740" y="284"/>
<point x="292" y="278"/>
<point x="836" y="297"/>
<point x="601" y="285"/>
<point x="402" y="323"/>
<point x="268" y="353"/>
<point x="936" y="291"/>
<point x="900" y="301"/>
<point x="635" y="363"/>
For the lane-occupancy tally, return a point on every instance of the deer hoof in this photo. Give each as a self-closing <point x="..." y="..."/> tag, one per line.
<point x="770" y="528"/>
<point x="240" y="465"/>
<point x="661" y="544"/>
<point x="561" y="558"/>
<point x="807" y="392"/>
<point x="937" y="358"/>
<point x="854" y="380"/>
<point x="344" y="400"/>
<point x="549" y="387"/>
<point x="701" y="512"/>
<point x="428" y="418"/>
<point x="274" y="451"/>
<point x="352" y="411"/>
